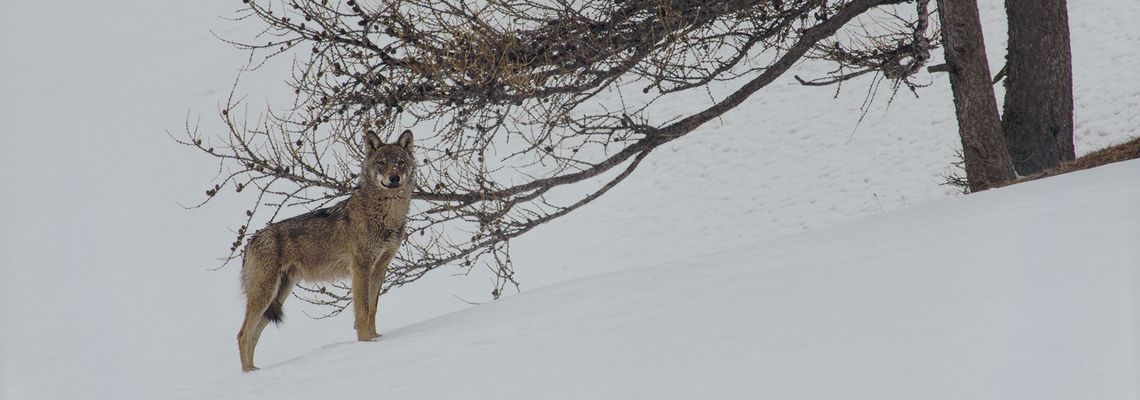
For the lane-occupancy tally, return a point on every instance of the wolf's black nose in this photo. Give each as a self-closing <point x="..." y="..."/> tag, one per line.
<point x="395" y="179"/>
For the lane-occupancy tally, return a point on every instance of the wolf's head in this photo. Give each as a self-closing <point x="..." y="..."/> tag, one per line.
<point x="387" y="166"/>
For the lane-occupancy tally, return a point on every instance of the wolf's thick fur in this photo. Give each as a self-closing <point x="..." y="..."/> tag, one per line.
<point x="355" y="238"/>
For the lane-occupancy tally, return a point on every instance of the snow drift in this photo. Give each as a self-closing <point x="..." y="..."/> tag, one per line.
<point x="1026" y="292"/>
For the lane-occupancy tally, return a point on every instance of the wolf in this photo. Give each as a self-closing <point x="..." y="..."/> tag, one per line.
<point x="355" y="238"/>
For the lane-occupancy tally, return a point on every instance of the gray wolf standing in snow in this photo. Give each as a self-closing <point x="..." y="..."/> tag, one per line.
<point x="355" y="238"/>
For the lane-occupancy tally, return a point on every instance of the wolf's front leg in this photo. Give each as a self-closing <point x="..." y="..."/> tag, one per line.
<point x="375" y="285"/>
<point x="360" y="290"/>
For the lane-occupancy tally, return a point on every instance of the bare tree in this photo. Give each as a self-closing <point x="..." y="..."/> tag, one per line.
<point x="1037" y="116"/>
<point x="984" y="152"/>
<point x="527" y="109"/>
<point x="1035" y="130"/>
<point x="984" y="155"/>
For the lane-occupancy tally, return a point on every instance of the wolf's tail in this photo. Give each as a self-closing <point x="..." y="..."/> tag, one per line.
<point x="274" y="313"/>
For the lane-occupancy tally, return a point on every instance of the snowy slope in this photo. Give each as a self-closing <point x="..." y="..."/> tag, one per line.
<point x="105" y="287"/>
<point x="1028" y="292"/>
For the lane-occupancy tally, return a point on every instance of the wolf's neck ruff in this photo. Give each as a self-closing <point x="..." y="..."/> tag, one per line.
<point x="381" y="196"/>
<point x="387" y="205"/>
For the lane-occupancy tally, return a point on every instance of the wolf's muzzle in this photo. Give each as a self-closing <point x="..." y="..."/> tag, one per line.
<point x="393" y="182"/>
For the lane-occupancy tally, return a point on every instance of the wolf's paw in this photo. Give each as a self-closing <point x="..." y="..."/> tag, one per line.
<point x="249" y="369"/>
<point x="369" y="337"/>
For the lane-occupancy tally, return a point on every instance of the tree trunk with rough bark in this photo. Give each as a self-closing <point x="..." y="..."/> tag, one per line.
<point x="1037" y="119"/>
<point x="983" y="146"/>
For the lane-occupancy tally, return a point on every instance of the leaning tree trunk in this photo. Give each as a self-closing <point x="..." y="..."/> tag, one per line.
<point x="983" y="147"/>
<point x="1038" y="114"/>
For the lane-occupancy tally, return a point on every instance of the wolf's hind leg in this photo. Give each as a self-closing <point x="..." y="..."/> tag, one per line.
<point x="259" y="295"/>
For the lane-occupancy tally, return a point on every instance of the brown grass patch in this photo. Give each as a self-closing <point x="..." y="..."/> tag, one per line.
<point x="1120" y="152"/>
<point x="1127" y="150"/>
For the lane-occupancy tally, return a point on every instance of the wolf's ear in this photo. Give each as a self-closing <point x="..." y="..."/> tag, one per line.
<point x="371" y="142"/>
<point x="405" y="140"/>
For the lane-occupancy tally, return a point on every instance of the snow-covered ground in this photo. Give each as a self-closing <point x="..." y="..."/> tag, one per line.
<point x="106" y="289"/>
<point x="1027" y="292"/>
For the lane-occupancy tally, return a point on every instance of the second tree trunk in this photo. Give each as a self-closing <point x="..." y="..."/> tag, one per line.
<point x="1037" y="118"/>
